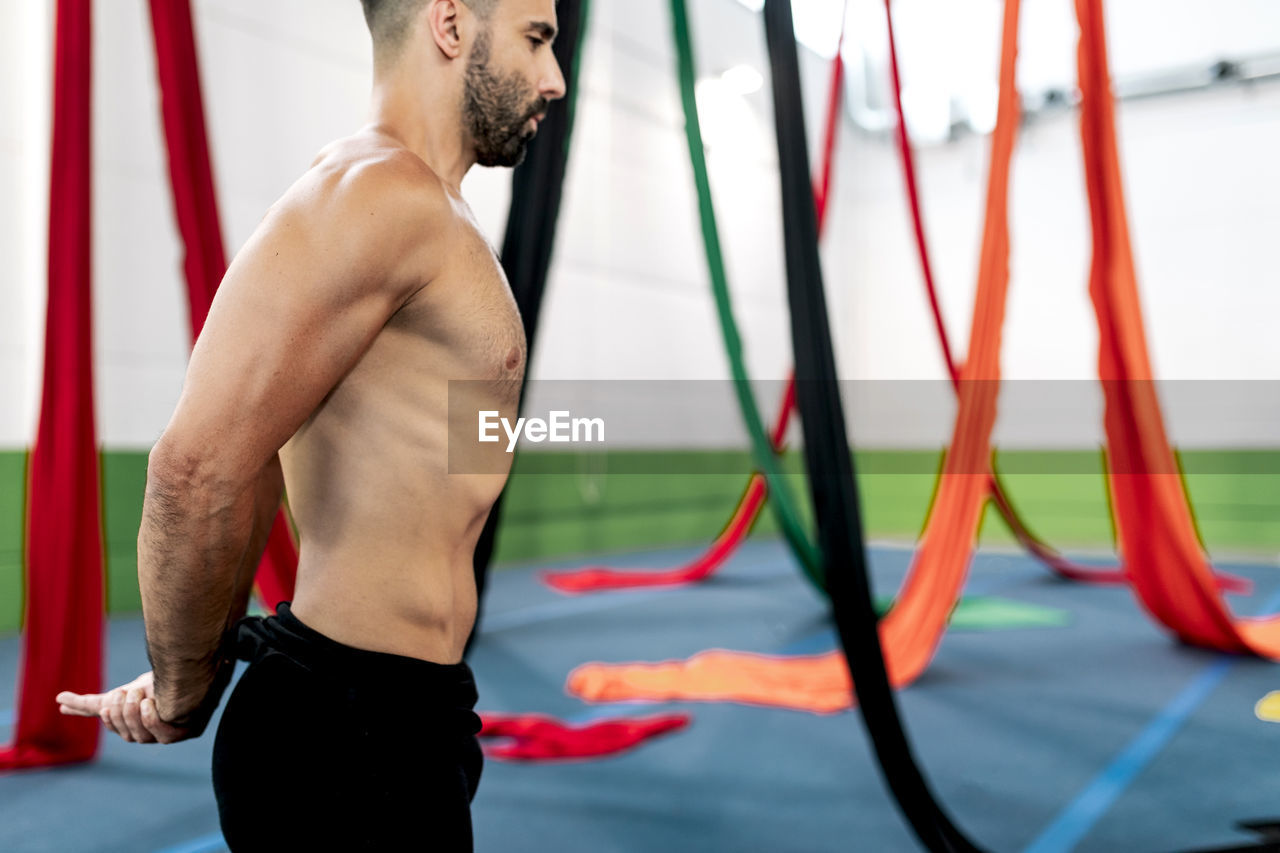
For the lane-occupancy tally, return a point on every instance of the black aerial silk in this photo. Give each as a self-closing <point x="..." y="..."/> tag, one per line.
<point x="827" y="458"/>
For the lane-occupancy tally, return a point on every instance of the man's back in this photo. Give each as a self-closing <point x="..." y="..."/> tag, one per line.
<point x="387" y="533"/>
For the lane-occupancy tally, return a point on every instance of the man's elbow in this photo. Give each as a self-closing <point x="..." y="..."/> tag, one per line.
<point x="189" y="472"/>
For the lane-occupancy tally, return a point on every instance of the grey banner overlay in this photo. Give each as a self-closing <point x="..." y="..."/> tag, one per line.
<point x="693" y="426"/>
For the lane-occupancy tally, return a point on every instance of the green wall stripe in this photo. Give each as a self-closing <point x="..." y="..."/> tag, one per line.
<point x="13" y="472"/>
<point x="124" y="479"/>
<point x="590" y="506"/>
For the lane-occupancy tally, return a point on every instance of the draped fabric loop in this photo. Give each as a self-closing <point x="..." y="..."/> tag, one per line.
<point x="1166" y="567"/>
<point x="537" y="737"/>
<point x="62" y="638"/>
<point x="1026" y="538"/>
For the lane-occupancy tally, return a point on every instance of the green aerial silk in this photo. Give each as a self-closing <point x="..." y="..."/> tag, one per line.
<point x="781" y="501"/>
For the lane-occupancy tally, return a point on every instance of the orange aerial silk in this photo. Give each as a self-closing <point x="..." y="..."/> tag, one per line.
<point x="912" y="629"/>
<point x="1168" y="571"/>
<point x="818" y="683"/>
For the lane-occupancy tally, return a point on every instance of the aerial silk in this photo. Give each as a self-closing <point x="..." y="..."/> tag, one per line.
<point x="817" y="683"/>
<point x="783" y="504"/>
<point x="1167" y="568"/>
<point x="914" y="626"/>
<point x="537" y="737"/>
<point x="196" y="211"/>
<point x="881" y="654"/>
<point x="62" y="640"/>
<point x="1163" y="559"/>
<point x="1036" y="547"/>
<point x="597" y="578"/>
<point x="830" y="464"/>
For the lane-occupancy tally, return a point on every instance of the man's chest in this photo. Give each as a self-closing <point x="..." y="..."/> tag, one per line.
<point x="469" y="318"/>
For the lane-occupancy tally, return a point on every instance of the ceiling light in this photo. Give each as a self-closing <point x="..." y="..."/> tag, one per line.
<point x="742" y="79"/>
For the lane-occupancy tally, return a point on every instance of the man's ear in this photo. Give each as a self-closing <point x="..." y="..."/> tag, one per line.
<point x="442" y="19"/>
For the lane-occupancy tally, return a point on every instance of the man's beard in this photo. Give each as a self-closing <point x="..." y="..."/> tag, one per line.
<point x="495" y="110"/>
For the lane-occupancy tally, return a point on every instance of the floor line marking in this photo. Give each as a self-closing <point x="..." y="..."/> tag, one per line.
<point x="1075" y="821"/>
<point x="213" y="843"/>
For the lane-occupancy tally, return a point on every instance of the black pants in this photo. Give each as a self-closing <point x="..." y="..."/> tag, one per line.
<point x="326" y="747"/>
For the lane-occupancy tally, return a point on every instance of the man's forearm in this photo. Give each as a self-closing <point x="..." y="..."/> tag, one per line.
<point x="200" y="536"/>
<point x="269" y="492"/>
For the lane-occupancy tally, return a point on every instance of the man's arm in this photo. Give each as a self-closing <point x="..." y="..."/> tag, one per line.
<point x="298" y="308"/>
<point x="270" y="491"/>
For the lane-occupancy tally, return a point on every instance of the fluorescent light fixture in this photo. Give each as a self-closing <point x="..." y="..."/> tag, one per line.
<point x="817" y="23"/>
<point x="928" y="111"/>
<point x="730" y="127"/>
<point x="981" y="105"/>
<point x="743" y="80"/>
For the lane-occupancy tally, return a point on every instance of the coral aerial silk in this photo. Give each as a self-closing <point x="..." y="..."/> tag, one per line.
<point x="1167" y="569"/>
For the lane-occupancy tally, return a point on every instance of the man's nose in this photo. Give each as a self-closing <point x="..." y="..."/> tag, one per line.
<point x="553" y="87"/>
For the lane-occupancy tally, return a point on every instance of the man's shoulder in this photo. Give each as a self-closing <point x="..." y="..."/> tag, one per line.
<point x="372" y="207"/>
<point x="362" y="176"/>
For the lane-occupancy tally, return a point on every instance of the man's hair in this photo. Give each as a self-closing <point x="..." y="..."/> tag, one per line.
<point x="389" y="20"/>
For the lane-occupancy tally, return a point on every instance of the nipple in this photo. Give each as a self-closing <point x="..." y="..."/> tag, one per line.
<point x="513" y="358"/>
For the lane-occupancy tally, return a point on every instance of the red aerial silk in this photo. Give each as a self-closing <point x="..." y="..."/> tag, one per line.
<point x="536" y="737"/>
<point x="62" y="641"/>
<point x="601" y="578"/>
<point x="196" y="209"/>
<point x="598" y="579"/>
<point x="1163" y="559"/>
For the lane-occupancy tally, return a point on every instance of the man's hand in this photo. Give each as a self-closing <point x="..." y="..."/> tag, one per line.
<point x="129" y="711"/>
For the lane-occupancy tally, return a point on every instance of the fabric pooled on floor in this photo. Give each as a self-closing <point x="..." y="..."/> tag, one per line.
<point x="536" y="737"/>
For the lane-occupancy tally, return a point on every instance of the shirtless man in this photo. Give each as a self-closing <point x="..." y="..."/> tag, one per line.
<point x="325" y="364"/>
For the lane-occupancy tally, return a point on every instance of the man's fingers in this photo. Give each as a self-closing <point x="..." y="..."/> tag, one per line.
<point x="115" y="713"/>
<point x="128" y="711"/>
<point x="105" y="716"/>
<point x="131" y="712"/>
<point x="157" y="728"/>
<point x="77" y="705"/>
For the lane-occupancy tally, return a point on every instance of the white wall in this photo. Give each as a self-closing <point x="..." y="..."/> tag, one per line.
<point x="1201" y="191"/>
<point x="629" y="296"/>
<point x="25" y="67"/>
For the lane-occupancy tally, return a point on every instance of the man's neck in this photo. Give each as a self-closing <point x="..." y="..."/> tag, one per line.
<point x="427" y="121"/>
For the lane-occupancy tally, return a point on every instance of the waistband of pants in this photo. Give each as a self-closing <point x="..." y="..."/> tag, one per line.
<point x="256" y="637"/>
